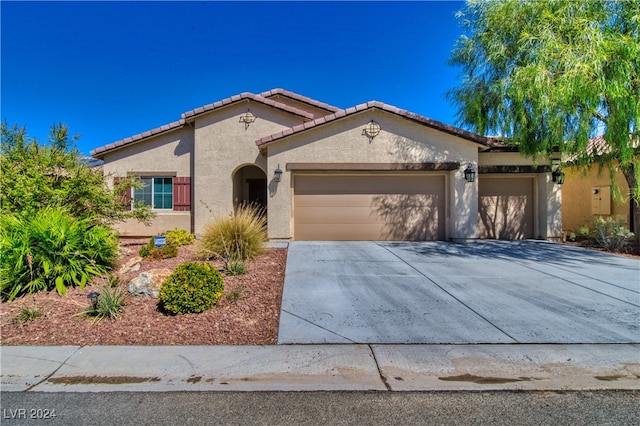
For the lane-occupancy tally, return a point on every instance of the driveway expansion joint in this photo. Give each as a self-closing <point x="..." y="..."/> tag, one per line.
<point x="382" y="376"/>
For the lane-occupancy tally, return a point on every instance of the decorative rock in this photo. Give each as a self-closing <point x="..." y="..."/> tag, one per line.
<point x="148" y="283"/>
<point x="132" y="265"/>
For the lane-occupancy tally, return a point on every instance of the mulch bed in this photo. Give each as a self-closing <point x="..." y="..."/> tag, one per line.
<point x="251" y="320"/>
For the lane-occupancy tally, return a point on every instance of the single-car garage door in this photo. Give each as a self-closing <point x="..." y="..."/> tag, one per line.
<point x="369" y="207"/>
<point x="505" y="207"/>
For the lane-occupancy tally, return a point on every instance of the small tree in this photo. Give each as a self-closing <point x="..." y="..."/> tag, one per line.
<point x="550" y="74"/>
<point x="36" y="176"/>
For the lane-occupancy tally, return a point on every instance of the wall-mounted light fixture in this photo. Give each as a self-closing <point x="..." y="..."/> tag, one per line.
<point x="469" y="174"/>
<point x="247" y="118"/>
<point x="557" y="176"/>
<point x="371" y="130"/>
<point x="277" y="174"/>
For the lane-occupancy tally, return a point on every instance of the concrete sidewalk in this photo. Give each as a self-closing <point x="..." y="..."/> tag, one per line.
<point x="320" y="367"/>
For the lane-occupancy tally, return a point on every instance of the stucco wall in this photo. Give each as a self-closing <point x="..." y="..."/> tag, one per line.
<point x="400" y="141"/>
<point x="169" y="152"/>
<point x="166" y="154"/>
<point x="223" y="145"/>
<point x="506" y="158"/>
<point x="577" y="196"/>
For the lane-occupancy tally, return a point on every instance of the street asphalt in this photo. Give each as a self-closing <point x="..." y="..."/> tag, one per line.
<point x="492" y="315"/>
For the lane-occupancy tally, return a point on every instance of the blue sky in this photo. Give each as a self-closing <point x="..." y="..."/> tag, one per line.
<point x="110" y="70"/>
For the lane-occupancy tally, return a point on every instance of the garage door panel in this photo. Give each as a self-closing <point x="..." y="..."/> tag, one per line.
<point x="316" y="185"/>
<point x="341" y="232"/>
<point x="387" y="208"/>
<point x="506" y="208"/>
<point x="346" y="215"/>
<point x="336" y="200"/>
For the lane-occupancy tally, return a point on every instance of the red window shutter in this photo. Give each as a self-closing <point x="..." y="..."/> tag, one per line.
<point x="182" y="194"/>
<point x="127" y="195"/>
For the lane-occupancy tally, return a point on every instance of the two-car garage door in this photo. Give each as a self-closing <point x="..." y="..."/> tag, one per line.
<point x="369" y="207"/>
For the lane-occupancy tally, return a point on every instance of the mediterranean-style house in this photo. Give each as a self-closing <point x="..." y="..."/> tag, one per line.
<point x="369" y="172"/>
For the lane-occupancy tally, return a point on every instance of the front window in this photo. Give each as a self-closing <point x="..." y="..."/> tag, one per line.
<point x="157" y="193"/>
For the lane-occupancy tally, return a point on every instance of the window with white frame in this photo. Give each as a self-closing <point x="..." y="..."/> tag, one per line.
<point x="157" y="193"/>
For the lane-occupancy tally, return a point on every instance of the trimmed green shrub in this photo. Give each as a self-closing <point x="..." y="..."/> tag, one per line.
<point x="239" y="237"/>
<point x="152" y="252"/>
<point x="179" y="237"/>
<point x="51" y="249"/>
<point x="191" y="288"/>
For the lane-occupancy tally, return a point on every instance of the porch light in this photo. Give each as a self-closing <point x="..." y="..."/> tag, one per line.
<point x="557" y="176"/>
<point x="371" y="130"/>
<point x="277" y="174"/>
<point x="469" y="174"/>
<point x="247" y="118"/>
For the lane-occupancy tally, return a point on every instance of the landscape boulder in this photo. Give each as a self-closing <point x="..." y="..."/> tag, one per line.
<point x="148" y="283"/>
<point x="132" y="265"/>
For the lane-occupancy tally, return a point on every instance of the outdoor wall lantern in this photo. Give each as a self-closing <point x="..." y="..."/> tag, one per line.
<point x="371" y="130"/>
<point x="557" y="176"/>
<point x="469" y="174"/>
<point x="247" y="118"/>
<point x="277" y="174"/>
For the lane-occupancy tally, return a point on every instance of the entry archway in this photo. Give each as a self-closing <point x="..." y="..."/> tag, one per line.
<point x="250" y="187"/>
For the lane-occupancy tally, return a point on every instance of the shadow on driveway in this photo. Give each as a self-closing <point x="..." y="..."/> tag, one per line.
<point x="441" y="292"/>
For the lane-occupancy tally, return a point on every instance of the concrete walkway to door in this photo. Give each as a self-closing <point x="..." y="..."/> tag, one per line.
<point x="441" y="292"/>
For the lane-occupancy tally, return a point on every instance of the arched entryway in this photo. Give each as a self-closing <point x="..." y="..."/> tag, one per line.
<point x="250" y="186"/>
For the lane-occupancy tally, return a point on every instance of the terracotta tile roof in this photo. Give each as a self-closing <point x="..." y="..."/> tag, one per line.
<point x="241" y="97"/>
<point x="377" y="105"/>
<point x="299" y="98"/>
<point x="135" y="138"/>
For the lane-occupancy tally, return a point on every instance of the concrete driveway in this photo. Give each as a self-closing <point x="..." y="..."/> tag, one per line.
<point x="441" y="292"/>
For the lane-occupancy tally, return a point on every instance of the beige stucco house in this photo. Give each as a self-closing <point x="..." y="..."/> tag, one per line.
<point x="369" y="172"/>
<point x="588" y="192"/>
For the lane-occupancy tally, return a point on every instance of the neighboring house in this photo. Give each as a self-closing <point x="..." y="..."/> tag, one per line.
<point x="587" y="193"/>
<point x="370" y="172"/>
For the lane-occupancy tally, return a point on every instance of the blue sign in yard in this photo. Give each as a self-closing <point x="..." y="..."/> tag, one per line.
<point x="159" y="241"/>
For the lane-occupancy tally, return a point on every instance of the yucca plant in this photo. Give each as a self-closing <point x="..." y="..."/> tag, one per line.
<point x="51" y="249"/>
<point x="238" y="237"/>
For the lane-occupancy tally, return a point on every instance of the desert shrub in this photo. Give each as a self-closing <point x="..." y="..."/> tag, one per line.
<point x="238" y="237"/>
<point x="110" y="303"/>
<point x="236" y="267"/>
<point x="150" y="251"/>
<point x="51" y="249"/>
<point x="235" y="294"/>
<point x="191" y="288"/>
<point x="27" y="313"/>
<point x="179" y="237"/>
<point x="610" y="235"/>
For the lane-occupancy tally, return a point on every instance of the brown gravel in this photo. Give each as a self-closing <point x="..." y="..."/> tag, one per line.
<point x="251" y="320"/>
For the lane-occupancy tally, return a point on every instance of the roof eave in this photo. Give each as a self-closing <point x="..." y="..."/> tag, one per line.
<point x="478" y="139"/>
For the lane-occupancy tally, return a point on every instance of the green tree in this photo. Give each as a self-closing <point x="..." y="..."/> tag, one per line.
<point x="36" y="176"/>
<point x="548" y="75"/>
